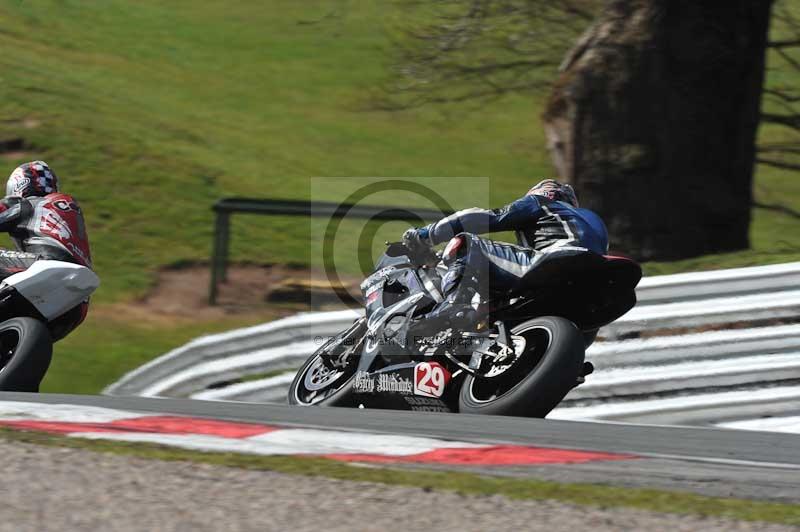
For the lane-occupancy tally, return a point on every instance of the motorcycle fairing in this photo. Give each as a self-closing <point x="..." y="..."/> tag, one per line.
<point x="377" y="333"/>
<point x="54" y="287"/>
<point x="389" y="284"/>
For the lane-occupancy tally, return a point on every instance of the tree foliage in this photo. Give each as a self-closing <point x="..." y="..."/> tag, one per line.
<point x="781" y="101"/>
<point x="461" y="50"/>
<point x="457" y="50"/>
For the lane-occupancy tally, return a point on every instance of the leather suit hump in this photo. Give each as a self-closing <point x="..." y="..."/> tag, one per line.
<point x="52" y="227"/>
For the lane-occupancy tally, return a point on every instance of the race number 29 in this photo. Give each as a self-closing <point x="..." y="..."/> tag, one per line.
<point x="430" y="379"/>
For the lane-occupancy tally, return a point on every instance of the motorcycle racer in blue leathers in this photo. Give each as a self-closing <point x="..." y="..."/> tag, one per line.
<point x="547" y="221"/>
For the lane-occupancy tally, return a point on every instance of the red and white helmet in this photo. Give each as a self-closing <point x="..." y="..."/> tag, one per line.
<point x="32" y="179"/>
<point x="553" y="190"/>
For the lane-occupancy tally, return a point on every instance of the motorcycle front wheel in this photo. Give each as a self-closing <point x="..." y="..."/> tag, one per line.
<point x="317" y="383"/>
<point x="25" y="352"/>
<point x="547" y="369"/>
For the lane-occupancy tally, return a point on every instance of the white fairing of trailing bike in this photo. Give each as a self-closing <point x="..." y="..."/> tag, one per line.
<point x="53" y="287"/>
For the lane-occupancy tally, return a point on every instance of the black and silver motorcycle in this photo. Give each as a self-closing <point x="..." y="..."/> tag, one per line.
<point x="520" y="356"/>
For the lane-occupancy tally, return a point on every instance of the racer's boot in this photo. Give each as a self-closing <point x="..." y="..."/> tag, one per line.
<point x="460" y="288"/>
<point x="456" y="312"/>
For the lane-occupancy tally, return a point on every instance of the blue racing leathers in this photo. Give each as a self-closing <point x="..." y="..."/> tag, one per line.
<point x="543" y="228"/>
<point x="538" y="222"/>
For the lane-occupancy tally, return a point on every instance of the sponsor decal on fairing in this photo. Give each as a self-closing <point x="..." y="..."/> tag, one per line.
<point x="373" y="293"/>
<point x="363" y="383"/>
<point x="382" y="383"/>
<point x="391" y="383"/>
<point x="426" y="404"/>
<point x="430" y="379"/>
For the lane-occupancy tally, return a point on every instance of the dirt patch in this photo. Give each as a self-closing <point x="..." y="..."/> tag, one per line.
<point x="25" y="123"/>
<point x="12" y="145"/>
<point x="14" y="155"/>
<point x="271" y="290"/>
<point x="30" y="123"/>
<point x="14" y="148"/>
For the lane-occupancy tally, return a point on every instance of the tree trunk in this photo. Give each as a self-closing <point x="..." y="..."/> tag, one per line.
<point x="654" y="120"/>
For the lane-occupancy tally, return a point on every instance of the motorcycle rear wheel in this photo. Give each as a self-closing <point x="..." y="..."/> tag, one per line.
<point x="548" y="369"/>
<point x="315" y="384"/>
<point x="25" y="353"/>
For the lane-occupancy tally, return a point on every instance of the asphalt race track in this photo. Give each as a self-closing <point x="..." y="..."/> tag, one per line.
<point x="718" y="462"/>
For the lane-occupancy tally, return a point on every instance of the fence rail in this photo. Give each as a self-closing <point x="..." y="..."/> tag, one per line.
<point x="226" y="207"/>
<point x="632" y="375"/>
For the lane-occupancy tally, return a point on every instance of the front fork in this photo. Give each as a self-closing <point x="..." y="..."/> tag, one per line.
<point x="354" y="336"/>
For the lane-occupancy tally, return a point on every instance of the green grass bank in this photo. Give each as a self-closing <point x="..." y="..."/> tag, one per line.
<point x="150" y="111"/>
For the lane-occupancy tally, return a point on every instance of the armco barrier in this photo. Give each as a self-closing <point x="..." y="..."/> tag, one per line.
<point x="711" y="311"/>
<point x="685" y="300"/>
<point x="224" y="347"/>
<point x="683" y="287"/>
<point x="633" y="368"/>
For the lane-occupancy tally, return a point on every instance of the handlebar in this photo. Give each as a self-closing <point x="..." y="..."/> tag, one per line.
<point x="421" y="256"/>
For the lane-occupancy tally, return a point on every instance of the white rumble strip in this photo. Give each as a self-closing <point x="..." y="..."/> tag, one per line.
<point x="263" y="439"/>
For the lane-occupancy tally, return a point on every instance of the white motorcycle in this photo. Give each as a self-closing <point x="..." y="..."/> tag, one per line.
<point x="39" y="306"/>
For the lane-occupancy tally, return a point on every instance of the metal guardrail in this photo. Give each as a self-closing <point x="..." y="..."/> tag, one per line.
<point x="626" y="370"/>
<point x="718" y="283"/>
<point x="635" y="368"/>
<point x="212" y="359"/>
<point x="713" y="408"/>
<point x="705" y="312"/>
<point x="226" y="207"/>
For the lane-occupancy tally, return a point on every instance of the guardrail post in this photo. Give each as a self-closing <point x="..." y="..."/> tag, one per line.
<point x="224" y="228"/>
<point x="219" y="258"/>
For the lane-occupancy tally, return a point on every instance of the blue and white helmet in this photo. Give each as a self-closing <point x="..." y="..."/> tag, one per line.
<point x="32" y="179"/>
<point x="553" y="190"/>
